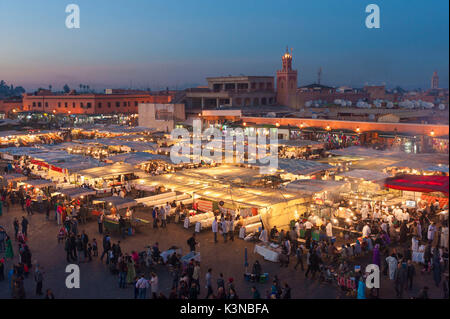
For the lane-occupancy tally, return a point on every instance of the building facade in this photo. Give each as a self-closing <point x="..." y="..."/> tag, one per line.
<point x="89" y="103"/>
<point x="162" y="117"/>
<point x="231" y="91"/>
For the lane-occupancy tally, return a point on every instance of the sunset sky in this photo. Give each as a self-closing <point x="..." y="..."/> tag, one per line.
<point x="177" y="43"/>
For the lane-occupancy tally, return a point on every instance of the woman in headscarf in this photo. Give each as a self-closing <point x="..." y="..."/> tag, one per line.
<point x="9" y="249"/>
<point x="361" y="288"/>
<point x="376" y="255"/>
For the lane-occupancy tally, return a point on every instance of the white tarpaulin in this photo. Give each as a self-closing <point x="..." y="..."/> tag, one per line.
<point x="367" y="175"/>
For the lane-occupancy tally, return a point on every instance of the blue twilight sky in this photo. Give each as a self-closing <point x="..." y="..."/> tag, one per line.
<point x="177" y="43"/>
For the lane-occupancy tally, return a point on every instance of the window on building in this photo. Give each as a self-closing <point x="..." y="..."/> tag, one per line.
<point x="109" y="104"/>
<point x="136" y="103"/>
<point x="73" y="104"/>
<point x="81" y="105"/>
<point x="34" y="104"/>
<point x="59" y="104"/>
<point x="99" y="105"/>
<point x="39" y="104"/>
<point x="89" y="105"/>
<point x="46" y="104"/>
<point x="124" y="103"/>
<point x="117" y="104"/>
<point x="65" y="104"/>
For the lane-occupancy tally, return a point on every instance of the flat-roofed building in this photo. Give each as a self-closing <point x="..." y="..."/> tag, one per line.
<point x="90" y="103"/>
<point x="231" y="91"/>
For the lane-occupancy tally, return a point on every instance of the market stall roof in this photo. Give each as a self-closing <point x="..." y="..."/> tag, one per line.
<point x="39" y="183"/>
<point x="125" y="129"/>
<point x="77" y="192"/>
<point x="108" y="171"/>
<point x="298" y="143"/>
<point x="414" y="164"/>
<point x="139" y="146"/>
<point x="366" y="152"/>
<point x="20" y="151"/>
<point x="14" y="177"/>
<point x="299" y="167"/>
<point x="312" y="186"/>
<point x="368" y="175"/>
<point x="220" y="190"/>
<point x="118" y="202"/>
<point x="419" y="183"/>
<point x="138" y="158"/>
<point x="438" y="168"/>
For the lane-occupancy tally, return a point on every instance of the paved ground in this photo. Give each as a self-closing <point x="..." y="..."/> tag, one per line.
<point x="97" y="282"/>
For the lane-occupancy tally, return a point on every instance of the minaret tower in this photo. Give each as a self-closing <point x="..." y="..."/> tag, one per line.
<point x="435" y="81"/>
<point x="286" y="81"/>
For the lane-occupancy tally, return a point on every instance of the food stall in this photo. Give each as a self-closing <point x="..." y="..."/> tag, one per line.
<point x="104" y="178"/>
<point x="116" y="206"/>
<point x="10" y="180"/>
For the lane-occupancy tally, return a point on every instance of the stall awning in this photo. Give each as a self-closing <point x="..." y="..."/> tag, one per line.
<point x="14" y="177"/>
<point x="108" y="171"/>
<point x="77" y="192"/>
<point x="315" y="185"/>
<point x="39" y="183"/>
<point x="418" y="183"/>
<point x="119" y="202"/>
<point x="299" y="167"/>
<point x="138" y="158"/>
<point x="367" y="175"/>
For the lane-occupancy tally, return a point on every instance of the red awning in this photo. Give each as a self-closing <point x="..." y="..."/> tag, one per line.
<point x="418" y="183"/>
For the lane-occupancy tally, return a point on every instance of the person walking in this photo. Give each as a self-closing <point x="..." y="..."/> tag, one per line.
<point x="215" y="229"/>
<point x="154" y="283"/>
<point x="106" y="246"/>
<point x="25" y="226"/>
<point x="225" y="230"/>
<point x="209" y="288"/>
<point x="100" y="223"/>
<point x="361" y="288"/>
<point x="230" y="228"/>
<point x="122" y="266"/>
<point x="142" y="284"/>
<point x="192" y="243"/>
<point x="436" y="267"/>
<point x="38" y="277"/>
<point x="411" y="272"/>
<point x="16" y="227"/>
<point x="299" y="254"/>
<point x="400" y="279"/>
<point x="9" y="253"/>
